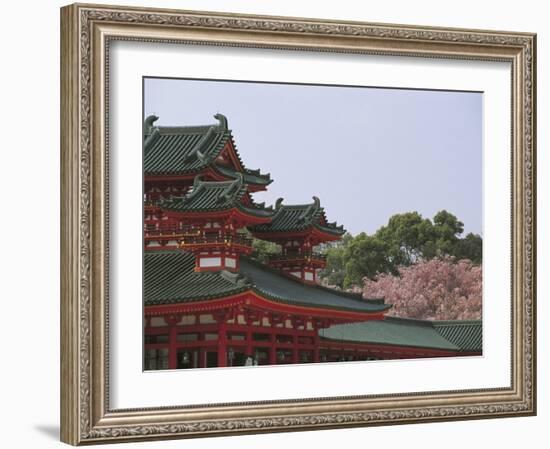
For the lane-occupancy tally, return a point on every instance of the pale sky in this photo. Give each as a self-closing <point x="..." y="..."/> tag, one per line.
<point x="367" y="153"/>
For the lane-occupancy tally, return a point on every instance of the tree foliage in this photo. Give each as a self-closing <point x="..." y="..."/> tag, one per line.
<point x="365" y="255"/>
<point x="470" y="247"/>
<point x="436" y="289"/>
<point x="261" y="249"/>
<point x="334" y="272"/>
<point x="407" y="238"/>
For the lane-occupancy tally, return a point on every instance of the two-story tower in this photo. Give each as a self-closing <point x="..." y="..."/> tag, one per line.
<point x="299" y="229"/>
<point x="208" y="219"/>
<point x="174" y="156"/>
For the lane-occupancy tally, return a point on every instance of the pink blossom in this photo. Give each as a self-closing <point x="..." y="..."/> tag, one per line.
<point x="437" y="289"/>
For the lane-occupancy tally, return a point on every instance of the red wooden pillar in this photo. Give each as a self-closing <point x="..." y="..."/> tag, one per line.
<point x="249" y="337"/>
<point x="172" y="321"/>
<point x="273" y="346"/>
<point x="316" y="345"/>
<point x="202" y="358"/>
<point x="173" y="349"/>
<point x="222" y="342"/>
<point x="295" y="358"/>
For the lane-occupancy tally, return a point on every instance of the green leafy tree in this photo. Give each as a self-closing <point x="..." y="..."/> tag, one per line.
<point x="447" y="229"/>
<point x="261" y="249"/>
<point x="406" y="235"/>
<point x="335" y="269"/>
<point x="365" y="256"/>
<point x="470" y="247"/>
<point x="407" y="239"/>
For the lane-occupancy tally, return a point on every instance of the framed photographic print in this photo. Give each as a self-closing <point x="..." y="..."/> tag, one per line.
<point x="275" y="224"/>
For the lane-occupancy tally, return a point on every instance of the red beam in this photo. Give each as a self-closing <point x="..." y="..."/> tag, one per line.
<point x="199" y="217"/>
<point x="254" y="300"/>
<point x="386" y="350"/>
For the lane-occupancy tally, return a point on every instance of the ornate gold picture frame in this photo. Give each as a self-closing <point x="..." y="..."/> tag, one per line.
<point x="87" y="33"/>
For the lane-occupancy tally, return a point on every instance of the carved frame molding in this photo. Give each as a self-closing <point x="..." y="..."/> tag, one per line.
<point x="87" y="31"/>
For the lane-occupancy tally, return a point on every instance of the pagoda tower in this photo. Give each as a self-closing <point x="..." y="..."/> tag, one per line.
<point x="208" y="219"/>
<point x="298" y="229"/>
<point x="174" y="155"/>
<point x="173" y="158"/>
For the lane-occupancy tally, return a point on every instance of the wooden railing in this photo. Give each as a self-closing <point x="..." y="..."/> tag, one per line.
<point x="215" y="239"/>
<point x="297" y="256"/>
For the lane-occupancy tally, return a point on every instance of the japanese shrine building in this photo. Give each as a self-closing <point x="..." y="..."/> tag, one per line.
<point x="207" y="303"/>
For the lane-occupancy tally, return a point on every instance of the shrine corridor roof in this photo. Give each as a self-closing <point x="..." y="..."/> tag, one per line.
<point x="170" y="279"/>
<point x="445" y="335"/>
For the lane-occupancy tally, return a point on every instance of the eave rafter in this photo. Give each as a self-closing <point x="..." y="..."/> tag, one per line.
<point x="253" y="299"/>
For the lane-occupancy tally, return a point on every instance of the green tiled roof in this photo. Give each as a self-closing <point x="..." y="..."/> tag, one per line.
<point x="270" y="283"/>
<point x="169" y="279"/>
<point x="467" y="335"/>
<point x="214" y="196"/>
<point x="445" y="335"/>
<point x="170" y="150"/>
<point x="250" y="176"/>
<point x="174" y="150"/>
<point x="298" y="218"/>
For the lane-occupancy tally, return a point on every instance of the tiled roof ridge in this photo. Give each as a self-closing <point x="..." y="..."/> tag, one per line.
<point x="279" y="208"/>
<point x="232" y="189"/>
<point x="312" y="214"/>
<point x="149" y="128"/>
<point x="450" y="330"/>
<point x="429" y="323"/>
<point x="391" y="333"/>
<point x="201" y="146"/>
<point x="456" y="322"/>
<point x="349" y="295"/>
<point x="434" y="323"/>
<point x="254" y="206"/>
<point x="235" y="189"/>
<point x="225" y="195"/>
<point x="405" y="320"/>
<point x="236" y="278"/>
<point x="227" y="171"/>
<point x="213" y="138"/>
<point x="190" y="286"/>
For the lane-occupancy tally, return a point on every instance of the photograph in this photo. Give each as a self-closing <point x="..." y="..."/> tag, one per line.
<point x="288" y="223"/>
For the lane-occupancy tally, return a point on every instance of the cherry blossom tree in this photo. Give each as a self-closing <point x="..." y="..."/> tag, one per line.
<point x="437" y="289"/>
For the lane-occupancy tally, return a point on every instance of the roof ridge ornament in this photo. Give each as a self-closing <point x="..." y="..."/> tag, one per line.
<point x="231" y="189"/>
<point x="316" y="202"/>
<point x="197" y="185"/>
<point x="235" y="278"/>
<point x="310" y="211"/>
<point x="278" y="203"/>
<point x="222" y="119"/>
<point x="196" y="181"/>
<point x="200" y="146"/>
<point x="202" y="157"/>
<point x="148" y="123"/>
<point x="151" y="138"/>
